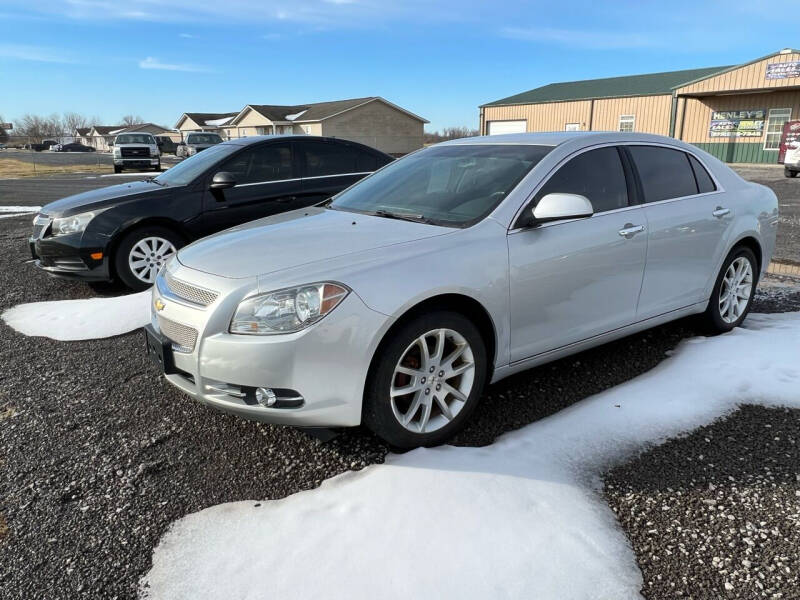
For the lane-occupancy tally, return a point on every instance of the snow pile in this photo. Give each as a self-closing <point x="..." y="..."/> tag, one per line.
<point x="81" y="319"/>
<point x="7" y="212"/>
<point x="518" y="519"/>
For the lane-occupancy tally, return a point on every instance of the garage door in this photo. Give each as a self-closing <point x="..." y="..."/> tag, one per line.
<point x="498" y="127"/>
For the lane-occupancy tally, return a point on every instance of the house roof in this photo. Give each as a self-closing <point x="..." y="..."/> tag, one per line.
<point x="317" y="111"/>
<point x="203" y="119"/>
<point x="82" y="130"/>
<point x="108" y="129"/>
<point x="610" y="87"/>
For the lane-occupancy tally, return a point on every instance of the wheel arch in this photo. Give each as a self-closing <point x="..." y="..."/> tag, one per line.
<point x="750" y="241"/>
<point x="456" y="302"/>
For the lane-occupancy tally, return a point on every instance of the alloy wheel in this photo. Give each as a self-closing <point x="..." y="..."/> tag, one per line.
<point x="147" y="256"/>
<point x="432" y="381"/>
<point x="734" y="293"/>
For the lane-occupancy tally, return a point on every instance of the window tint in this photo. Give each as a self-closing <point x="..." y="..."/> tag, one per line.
<point x="664" y="173"/>
<point x="596" y="174"/>
<point x="704" y="182"/>
<point x="268" y="162"/>
<point x="329" y="158"/>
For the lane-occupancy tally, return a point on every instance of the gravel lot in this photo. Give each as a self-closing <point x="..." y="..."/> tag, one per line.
<point x="98" y="456"/>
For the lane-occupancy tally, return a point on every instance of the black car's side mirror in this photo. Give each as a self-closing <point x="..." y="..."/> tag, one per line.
<point x="223" y="180"/>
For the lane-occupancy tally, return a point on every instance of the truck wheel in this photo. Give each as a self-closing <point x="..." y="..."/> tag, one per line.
<point x="789" y="173"/>
<point x="117" y="169"/>
<point x="426" y="380"/>
<point x="142" y="252"/>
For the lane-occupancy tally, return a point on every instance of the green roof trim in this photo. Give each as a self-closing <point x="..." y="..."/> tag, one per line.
<point x="650" y="84"/>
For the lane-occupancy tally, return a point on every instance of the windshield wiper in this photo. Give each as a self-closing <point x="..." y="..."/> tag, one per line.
<point x="402" y="216"/>
<point x="154" y="180"/>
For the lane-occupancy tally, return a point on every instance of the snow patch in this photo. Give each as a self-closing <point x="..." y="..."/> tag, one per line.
<point x="218" y="122"/>
<point x="20" y="209"/>
<point x="81" y="319"/>
<point x="521" y="518"/>
<point x="296" y="115"/>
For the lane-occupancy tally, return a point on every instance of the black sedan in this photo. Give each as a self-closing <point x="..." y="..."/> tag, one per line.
<point x="74" y="147"/>
<point x="128" y="231"/>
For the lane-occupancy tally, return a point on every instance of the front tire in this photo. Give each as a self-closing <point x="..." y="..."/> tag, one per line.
<point x="142" y="252"/>
<point x="733" y="291"/>
<point x="789" y="173"/>
<point x="117" y="169"/>
<point x="426" y="380"/>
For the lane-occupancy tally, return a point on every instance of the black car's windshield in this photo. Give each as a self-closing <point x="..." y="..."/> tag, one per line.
<point x="203" y="138"/>
<point x="187" y="170"/>
<point x="135" y="138"/>
<point x="454" y="185"/>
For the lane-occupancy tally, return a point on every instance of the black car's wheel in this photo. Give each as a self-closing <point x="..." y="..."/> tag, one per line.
<point x="426" y="380"/>
<point x="117" y="169"/>
<point x="789" y="173"/>
<point x="142" y="252"/>
<point x="733" y="291"/>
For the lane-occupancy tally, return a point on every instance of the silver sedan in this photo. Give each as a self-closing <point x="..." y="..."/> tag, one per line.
<point x="395" y="302"/>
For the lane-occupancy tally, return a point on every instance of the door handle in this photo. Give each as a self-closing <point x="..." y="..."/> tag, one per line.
<point x="631" y="230"/>
<point x="287" y="199"/>
<point x="720" y="212"/>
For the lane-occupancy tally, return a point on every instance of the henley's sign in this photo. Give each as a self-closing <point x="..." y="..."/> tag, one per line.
<point x="737" y="123"/>
<point x="783" y="70"/>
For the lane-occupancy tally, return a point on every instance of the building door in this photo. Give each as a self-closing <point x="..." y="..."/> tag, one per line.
<point x="500" y="127"/>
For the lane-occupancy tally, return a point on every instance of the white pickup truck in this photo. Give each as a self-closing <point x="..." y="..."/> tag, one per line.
<point x="791" y="161"/>
<point x="135" y="150"/>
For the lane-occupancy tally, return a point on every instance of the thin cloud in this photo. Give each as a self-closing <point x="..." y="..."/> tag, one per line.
<point x="33" y="53"/>
<point x="594" y="40"/>
<point x="187" y="36"/>
<point x="153" y="63"/>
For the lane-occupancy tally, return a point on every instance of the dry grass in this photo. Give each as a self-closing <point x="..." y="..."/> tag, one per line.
<point x="7" y="412"/>
<point x="10" y="167"/>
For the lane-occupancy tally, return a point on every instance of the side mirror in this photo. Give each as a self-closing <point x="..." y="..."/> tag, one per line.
<point x="557" y="207"/>
<point x="223" y="180"/>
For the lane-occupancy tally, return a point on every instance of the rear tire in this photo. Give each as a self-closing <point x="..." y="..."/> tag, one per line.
<point x="142" y="252"/>
<point x="789" y="173"/>
<point x="444" y="382"/>
<point x="733" y="292"/>
<point x="117" y="169"/>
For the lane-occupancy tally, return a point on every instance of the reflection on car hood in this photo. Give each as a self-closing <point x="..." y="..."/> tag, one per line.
<point x="295" y="238"/>
<point x="98" y="198"/>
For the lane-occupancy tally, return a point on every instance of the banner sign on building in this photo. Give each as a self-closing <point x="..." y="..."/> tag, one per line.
<point x="790" y="135"/>
<point x="783" y="70"/>
<point x="737" y="123"/>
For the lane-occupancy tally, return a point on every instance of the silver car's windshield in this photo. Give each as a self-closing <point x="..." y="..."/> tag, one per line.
<point x="186" y="171"/>
<point x="454" y="186"/>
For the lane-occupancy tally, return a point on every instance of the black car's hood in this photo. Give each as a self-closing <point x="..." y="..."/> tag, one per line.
<point x="99" y="198"/>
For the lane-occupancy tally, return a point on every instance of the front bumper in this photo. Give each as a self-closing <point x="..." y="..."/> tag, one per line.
<point x="70" y="257"/>
<point x="325" y="365"/>
<point x="137" y="163"/>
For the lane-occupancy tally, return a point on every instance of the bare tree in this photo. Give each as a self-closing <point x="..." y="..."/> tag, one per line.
<point x="72" y="121"/>
<point x="129" y="120"/>
<point x="3" y="133"/>
<point x="449" y="133"/>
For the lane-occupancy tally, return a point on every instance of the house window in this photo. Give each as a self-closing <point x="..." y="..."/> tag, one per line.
<point x="627" y="122"/>
<point x="777" y="117"/>
<point x="572" y="127"/>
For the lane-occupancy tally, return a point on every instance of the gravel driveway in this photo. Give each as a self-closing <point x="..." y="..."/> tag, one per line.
<point x="98" y="455"/>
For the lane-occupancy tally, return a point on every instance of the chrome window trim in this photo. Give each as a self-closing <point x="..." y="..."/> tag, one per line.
<point x="546" y="178"/>
<point x="241" y="185"/>
<point x="339" y="175"/>
<point x="303" y="178"/>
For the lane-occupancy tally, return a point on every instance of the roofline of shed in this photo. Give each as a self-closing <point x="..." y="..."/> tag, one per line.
<point x="490" y="105"/>
<point x="734" y="67"/>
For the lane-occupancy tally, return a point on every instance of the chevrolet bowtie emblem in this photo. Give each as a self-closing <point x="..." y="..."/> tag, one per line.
<point x="159" y="304"/>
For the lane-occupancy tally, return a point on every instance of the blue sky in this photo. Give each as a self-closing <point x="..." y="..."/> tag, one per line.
<point x="439" y="59"/>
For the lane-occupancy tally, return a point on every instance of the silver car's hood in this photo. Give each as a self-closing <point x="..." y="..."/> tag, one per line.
<point x="296" y="238"/>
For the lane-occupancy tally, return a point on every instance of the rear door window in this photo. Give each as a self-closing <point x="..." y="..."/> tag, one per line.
<point x="266" y="162"/>
<point x="596" y="174"/>
<point x="328" y="158"/>
<point x="704" y="182"/>
<point x="664" y="173"/>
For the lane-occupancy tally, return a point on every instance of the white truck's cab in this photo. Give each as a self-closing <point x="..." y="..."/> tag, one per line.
<point x="791" y="161"/>
<point x="136" y="150"/>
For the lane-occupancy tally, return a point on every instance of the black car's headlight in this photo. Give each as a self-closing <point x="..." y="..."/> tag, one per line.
<point x="287" y="310"/>
<point x="72" y="224"/>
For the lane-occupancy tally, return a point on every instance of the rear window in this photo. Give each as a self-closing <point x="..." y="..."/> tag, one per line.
<point x="203" y="138"/>
<point x="704" y="182"/>
<point x="664" y="173"/>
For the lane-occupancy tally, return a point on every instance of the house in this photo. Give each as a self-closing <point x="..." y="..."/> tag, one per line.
<point x="81" y="135"/>
<point x="203" y="122"/>
<point x="101" y="136"/>
<point x="737" y="113"/>
<point x="373" y="121"/>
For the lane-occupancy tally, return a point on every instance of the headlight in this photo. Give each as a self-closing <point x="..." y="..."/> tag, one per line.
<point x="73" y="224"/>
<point x="117" y="152"/>
<point x="288" y="310"/>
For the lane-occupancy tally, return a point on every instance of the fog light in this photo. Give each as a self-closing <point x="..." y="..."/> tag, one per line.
<point x="266" y="397"/>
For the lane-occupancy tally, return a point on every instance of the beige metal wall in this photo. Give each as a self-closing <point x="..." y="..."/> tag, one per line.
<point x="693" y="126"/>
<point x="651" y="112"/>
<point x="749" y="77"/>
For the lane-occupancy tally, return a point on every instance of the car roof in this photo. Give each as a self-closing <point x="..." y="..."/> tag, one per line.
<point x="556" y="138"/>
<point x="254" y="139"/>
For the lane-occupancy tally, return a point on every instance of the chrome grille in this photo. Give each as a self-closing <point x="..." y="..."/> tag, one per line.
<point x="183" y="337"/>
<point x="190" y="293"/>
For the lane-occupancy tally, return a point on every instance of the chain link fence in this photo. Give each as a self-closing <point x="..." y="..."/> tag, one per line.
<point x="26" y="156"/>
